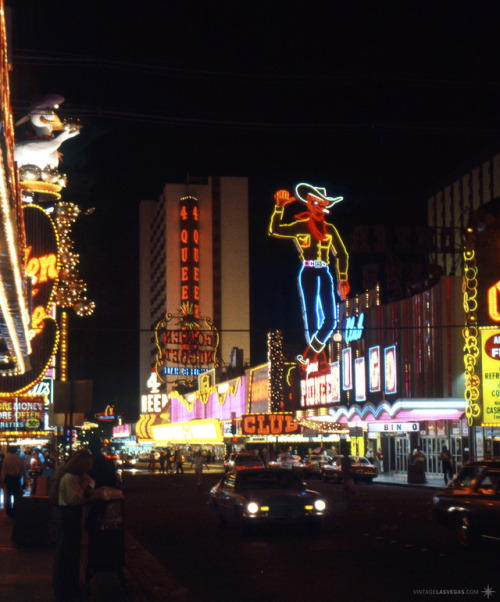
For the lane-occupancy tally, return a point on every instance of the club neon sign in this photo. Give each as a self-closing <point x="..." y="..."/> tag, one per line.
<point x="268" y="424"/>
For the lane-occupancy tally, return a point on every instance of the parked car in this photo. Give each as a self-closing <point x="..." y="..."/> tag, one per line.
<point x="266" y="496"/>
<point x="243" y="461"/>
<point x="362" y="470"/>
<point x="313" y="463"/>
<point x="470" y="503"/>
<point x="289" y="461"/>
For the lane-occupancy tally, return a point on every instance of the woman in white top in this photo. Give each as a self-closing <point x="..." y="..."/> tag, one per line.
<point x="75" y="489"/>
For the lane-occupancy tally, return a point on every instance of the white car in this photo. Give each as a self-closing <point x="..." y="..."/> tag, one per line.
<point x="289" y="461"/>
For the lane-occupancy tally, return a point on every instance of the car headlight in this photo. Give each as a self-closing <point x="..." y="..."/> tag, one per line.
<point x="320" y="505"/>
<point x="252" y="508"/>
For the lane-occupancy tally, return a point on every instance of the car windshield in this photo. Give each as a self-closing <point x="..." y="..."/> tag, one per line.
<point x="466" y="476"/>
<point x="268" y="480"/>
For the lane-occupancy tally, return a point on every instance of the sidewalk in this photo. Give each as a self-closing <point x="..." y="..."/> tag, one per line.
<point x="26" y="574"/>
<point x="401" y="478"/>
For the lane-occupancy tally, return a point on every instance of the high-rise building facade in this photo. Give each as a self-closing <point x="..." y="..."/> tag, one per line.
<point x="194" y="280"/>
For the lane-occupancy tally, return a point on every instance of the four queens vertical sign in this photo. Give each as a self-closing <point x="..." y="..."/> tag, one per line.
<point x="190" y="254"/>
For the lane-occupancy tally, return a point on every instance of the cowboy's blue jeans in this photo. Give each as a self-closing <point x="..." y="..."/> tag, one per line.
<point x="319" y="308"/>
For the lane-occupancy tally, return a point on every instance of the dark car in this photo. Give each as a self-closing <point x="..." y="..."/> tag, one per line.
<point x="126" y="461"/>
<point x="266" y="496"/>
<point x="470" y="504"/>
<point x="313" y="463"/>
<point x="361" y="468"/>
<point x="243" y="461"/>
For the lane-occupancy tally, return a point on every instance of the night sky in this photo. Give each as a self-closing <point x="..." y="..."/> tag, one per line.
<point x="378" y="102"/>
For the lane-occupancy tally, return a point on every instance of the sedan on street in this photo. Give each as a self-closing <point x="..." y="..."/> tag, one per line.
<point x="313" y="463"/>
<point x="361" y="468"/>
<point x="470" y="504"/>
<point x="289" y="461"/>
<point x="266" y="496"/>
<point x="243" y="461"/>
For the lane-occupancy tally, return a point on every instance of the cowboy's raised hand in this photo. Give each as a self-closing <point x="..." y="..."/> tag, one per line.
<point x="282" y="198"/>
<point x="344" y="288"/>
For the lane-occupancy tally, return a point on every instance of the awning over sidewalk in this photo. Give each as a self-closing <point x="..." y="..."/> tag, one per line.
<point x="402" y="410"/>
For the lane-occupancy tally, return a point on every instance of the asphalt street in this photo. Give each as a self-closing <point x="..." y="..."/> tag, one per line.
<point x="381" y="543"/>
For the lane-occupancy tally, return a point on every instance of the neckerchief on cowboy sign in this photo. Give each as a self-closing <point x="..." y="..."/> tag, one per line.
<point x="316" y="227"/>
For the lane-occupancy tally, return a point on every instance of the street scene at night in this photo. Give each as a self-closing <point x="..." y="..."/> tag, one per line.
<point x="249" y="301"/>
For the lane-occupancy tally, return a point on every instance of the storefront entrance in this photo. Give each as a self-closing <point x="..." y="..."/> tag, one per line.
<point x="402" y="450"/>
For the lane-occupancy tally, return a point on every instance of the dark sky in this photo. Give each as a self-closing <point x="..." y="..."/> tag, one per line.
<point x="379" y="102"/>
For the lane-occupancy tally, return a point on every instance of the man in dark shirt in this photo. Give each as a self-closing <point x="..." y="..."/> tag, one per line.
<point x="103" y="469"/>
<point x="14" y="476"/>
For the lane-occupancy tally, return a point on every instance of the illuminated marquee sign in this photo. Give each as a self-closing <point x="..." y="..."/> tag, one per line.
<point x="360" y="378"/>
<point x="190" y="254"/>
<point x="354" y="328"/>
<point x="490" y="365"/>
<point x="391" y="381"/>
<point x="258" y="390"/>
<point x="316" y="390"/>
<point x="42" y="266"/>
<point x="187" y="352"/>
<point x="154" y="401"/>
<point x="347" y="369"/>
<point x="318" y="243"/>
<point x="268" y="424"/>
<point x="22" y="413"/>
<point x="335" y="381"/>
<point x="374" y="369"/>
<point x="393" y="427"/>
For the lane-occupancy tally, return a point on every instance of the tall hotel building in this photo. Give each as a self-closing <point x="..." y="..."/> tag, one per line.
<point x="194" y="253"/>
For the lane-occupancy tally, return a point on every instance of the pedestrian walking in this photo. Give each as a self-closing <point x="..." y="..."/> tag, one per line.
<point x="161" y="462"/>
<point x="152" y="461"/>
<point x="347" y="478"/>
<point x="380" y="459"/>
<point x="14" y="476"/>
<point x="36" y="467"/>
<point x="198" y="461"/>
<point x="179" y="460"/>
<point x="169" y="459"/>
<point x="446" y="459"/>
<point x="419" y="463"/>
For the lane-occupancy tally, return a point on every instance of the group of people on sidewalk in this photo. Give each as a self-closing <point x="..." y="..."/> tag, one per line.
<point x="173" y="461"/>
<point x="416" y="465"/>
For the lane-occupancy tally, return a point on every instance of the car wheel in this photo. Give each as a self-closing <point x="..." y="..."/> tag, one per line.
<point x="369" y="481"/>
<point x="465" y="531"/>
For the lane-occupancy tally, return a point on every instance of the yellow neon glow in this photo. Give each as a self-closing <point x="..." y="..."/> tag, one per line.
<point x="493" y="304"/>
<point x="195" y="431"/>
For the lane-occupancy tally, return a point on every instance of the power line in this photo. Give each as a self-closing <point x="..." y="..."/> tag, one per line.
<point x="58" y="59"/>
